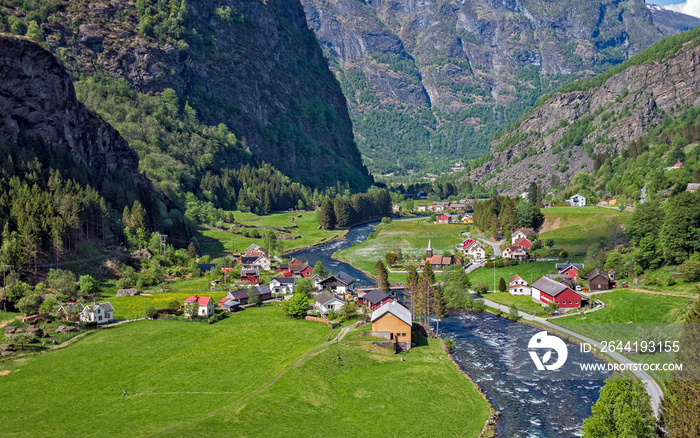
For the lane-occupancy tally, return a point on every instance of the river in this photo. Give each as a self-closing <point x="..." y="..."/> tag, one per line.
<point x="537" y="409"/>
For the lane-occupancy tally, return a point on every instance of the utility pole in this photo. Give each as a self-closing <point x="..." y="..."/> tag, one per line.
<point x="163" y="241"/>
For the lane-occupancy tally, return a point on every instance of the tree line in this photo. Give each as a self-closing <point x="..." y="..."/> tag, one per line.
<point x="346" y="211"/>
<point x="501" y="215"/>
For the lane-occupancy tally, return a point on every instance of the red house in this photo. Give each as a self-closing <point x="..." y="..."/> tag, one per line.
<point x="444" y="219"/>
<point x="300" y="270"/>
<point x="568" y="269"/>
<point x="374" y="299"/>
<point x="523" y="242"/>
<point x="545" y="291"/>
<point x="251" y="275"/>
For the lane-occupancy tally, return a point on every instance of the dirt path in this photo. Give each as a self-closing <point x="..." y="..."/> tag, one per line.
<point x="242" y="401"/>
<point x="549" y="226"/>
<point x="670" y="294"/>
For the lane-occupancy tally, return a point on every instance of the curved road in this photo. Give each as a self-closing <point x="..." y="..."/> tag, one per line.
<point x="653" y="388"/>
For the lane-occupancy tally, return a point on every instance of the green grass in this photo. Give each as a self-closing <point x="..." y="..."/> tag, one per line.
<point x="6" y="316"/>
<point x="578" y="227"/>
<point x="661" y="280"/>
<point x="523" y="302"/>
<point x="410" y="235"/>
<point x="249" y="364"/>
<point x="529" y="271"/>
<point x="308" y="232"/>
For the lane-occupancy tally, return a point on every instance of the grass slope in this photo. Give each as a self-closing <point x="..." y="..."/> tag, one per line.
<point x="578" y="227"/>
<point x="529" y="271"/>
<point x="216" y="242"/>
<point x="254" y="382"/>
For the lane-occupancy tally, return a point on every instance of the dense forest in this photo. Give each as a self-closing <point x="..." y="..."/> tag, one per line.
<point x="346" y="211"/>
<point x="501" y="215"/>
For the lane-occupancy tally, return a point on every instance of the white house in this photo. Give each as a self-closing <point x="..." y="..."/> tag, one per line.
<point x="474" y="250"/>
<point x="518" y="286"/>
<point x="577" y="201"/>
<point x="518" y="234"/>
<point x="256" y="259"/>
<point x="205" y="305"/>
<point x="283" y="285"/>
<point x="515" y="252"/>
<point x="100" y="313"/>
<point x="340" y="283"/>
<point x="326" y="302"/>
<point x="316" y="280"/>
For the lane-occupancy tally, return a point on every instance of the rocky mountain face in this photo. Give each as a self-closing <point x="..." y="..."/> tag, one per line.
<point x="252" y="65"/>
<point x="430" y="82"/>
<point x="601" y="115"/>
<point x="37" y="98"/>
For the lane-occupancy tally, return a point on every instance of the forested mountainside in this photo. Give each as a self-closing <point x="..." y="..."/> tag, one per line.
<point x="623" y="127"/>
<point x="250" y="67"/>
<point x="66" y="175"/>
<point x="429" y="83"/>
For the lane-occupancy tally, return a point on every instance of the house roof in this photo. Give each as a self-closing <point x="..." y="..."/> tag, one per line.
<point x="561" y="267"/>
<point x="284" y="266"/>
<point x="248" y="260"/>
<point x="255" y="247"/>
<point x="521" y="240"/>
<point x="249" y="271"/>
<point x="262" y="290"/>
<point x="439" y="260"/>
<point x="326" y="297"/>
<point x="444" y="216"/>
<point x="515" y="277"/>
<point x="106" y="306"/>
<point x="596" y="273"/>
<point x="238" y="294"/>
<point x="375" y="296"/>
<point x="341" y="277"/>
<point x="549" y="286"/>
<point x="202" y="301"/>
<point x="693" y="186"/>
<point x="206" y="266"/>
<point x="395" y="308"/>
<point x="283" y="280"/>
<point x="231" y="303"/>
<point x="298" y="266"/>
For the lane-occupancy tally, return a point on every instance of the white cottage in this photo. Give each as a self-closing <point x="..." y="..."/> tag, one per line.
<point x="518" y="286"/>
<point x="205" y="305"/>
<point x="100" y="313"/>
<point x="283" y="285"/>
<point x="326" y="302"/>
<point x="577" y="201"/>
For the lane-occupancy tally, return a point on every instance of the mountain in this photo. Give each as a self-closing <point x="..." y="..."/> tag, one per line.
<point x="429" y="83"/>
<point x="253" y="66"/>
<point x="588" y="123"/>
<point x="670" y="22"/>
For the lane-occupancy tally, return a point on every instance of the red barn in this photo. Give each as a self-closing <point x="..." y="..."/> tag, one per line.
<point x="568" y="269"/>
<point x="545" y="291"/>
<point x="301" y="270"/>
<point x="374" y="299"/>
<point x="444" y="219"/>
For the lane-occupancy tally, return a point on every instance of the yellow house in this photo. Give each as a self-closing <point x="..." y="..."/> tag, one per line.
<point x="394" y="319"/>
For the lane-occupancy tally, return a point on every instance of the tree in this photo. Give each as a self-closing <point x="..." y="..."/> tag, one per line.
<point x="622" y="410"/>
<point x="191" y="309"/>
<point x="390" y="258"/>
<point x="479" y="306"/>
<point x="690" y="270"/>
<point x="296" y="306"/>
<point x="23" y="338"/>
<point x="304" y="286"/>
<point x="533" y="194"/>
<point x="29" y="304"/>
<point x="481" y="288"/>
<point x="524" y="213"/>
<point x="412" y="280"/>
<point x="326" y="216"/>
<point x="552" y="307"/>
<point x="253" y="298"/>
<point x="549" y="243"/>
<point x="439" y="306"/>
<point x="63" y="282"/>
<point x="502" y="286"/>
<point x="513" y="312"/>
<point x="49" y="304"/>
<point x="381" y="276"/>
<point x="15" y="290"/>
<point x="647" y="253"/>
<point x="456" y="288"/>
<point x="174" y="305"/>
<point x="348" y="311"/>
<point x="151" y="312"/>
<point x="320" y="270"/>
<point x="680" y="233"/>
<point x="87" y="285"/>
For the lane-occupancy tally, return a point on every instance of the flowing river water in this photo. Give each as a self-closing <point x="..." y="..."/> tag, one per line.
<point x="529" y="408"/>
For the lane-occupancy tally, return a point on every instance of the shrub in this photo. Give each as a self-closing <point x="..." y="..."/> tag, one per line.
<point x="449" y="344"/>
<point x="564" y="254"/>
<point x="481" y="288"/>
<point x="479" y="306"/>
<point x="690" y="270"/>
<point x="63" y="281"/>
<point x="151" y="312"/>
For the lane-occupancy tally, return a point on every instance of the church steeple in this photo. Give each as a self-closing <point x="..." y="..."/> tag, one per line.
<point x="429" y="251"/>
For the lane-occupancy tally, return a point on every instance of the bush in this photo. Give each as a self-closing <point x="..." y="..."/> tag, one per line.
<point x="151" y="312"/>
<point x="63" y="281"/>
<point x="479" y="306"/>
<point x="513" y="313"/>
<point x="449" y="344"/>
<point x="690" y="270"/>
<point x="481" y="288"/>
<point x="564" y="254"/>
<point x="87" y="285"/>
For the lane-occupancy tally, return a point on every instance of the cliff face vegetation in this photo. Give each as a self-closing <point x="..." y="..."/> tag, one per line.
<point x="431" y="82"/>
<point x="650" y="101"/>
<point x="253" y="66"/>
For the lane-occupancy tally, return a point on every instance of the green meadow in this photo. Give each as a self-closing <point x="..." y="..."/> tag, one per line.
<point x="522" y="302"/>
<point x="578" y="227"/>
<point x="216" y="242"/>
<point x="529" y="271"/>
<point x="255" y="373"/>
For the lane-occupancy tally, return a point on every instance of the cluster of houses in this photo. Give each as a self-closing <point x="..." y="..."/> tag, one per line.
<point x="519" y="247"/>
<point x="462" y="205"/>
<point x="471" y="249"/>
<point x="256" y="259"/>
<point x="561" y="288"/>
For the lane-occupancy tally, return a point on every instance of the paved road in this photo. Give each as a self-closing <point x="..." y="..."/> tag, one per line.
<point x="653" y="388"/>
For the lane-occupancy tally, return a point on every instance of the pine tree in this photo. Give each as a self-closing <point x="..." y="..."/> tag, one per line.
<point x="326" y="217"/>
<point x="319" y="269"/>
<point x="502" y="285"/>
<point x="412" y="282"/>
<point x="381" y="276"/>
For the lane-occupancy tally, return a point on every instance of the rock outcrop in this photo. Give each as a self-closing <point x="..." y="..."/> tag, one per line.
<point x="446" y="75"/>
<point x="561" y="136"/>
<point x="37" y="98"/>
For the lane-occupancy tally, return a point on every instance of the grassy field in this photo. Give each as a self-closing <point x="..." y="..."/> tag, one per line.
<point x="6" y="316"/>
<point x="577" y="227"/>
<point x="308" y="232"/>
<point x="255" y="373"/>
<point x="529" y="271"/>
<point x="662" y="280"/>
<point x="410" y="235"/>
<point x="523" y="302"/>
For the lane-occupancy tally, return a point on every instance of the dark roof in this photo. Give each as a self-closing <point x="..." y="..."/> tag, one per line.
<point x="341" y="277"/>
<point x="375" y="296"/>
<point x="283" y="280"/>
<point x="247" y="260"/>
<point x="284" y="266"/>
<point x="238" y="294"/>
<point x="325" y="297"/>
<point x="566" y="265"/>
<point x="206" y="266"/>
<point x="262" y="290"/>
<point x="595" y="273"/>
<point x="231" y="303"/>
<point x="549" y="286"/>
<point x="298" y="267"/>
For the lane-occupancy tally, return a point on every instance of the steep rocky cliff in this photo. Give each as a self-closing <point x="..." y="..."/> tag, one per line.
<point x="252" y="65"/>
<point x="37" y="98"/>
<point x="601" y="115"/>
<point x="430" y="82"/>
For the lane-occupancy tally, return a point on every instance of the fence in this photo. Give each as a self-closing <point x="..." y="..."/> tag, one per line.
<point x="313" y="318"/>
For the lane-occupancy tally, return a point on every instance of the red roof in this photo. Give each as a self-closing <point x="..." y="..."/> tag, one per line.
<point x="523" y="241"/>
<point x="515" y="277"/>
<point x="678" y="164"/>
<point x="468" y="243"/>
<point x="202" y="301"/>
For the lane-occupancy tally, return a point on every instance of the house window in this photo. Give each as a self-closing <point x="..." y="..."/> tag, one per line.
<point x="403" y="334"/>
<point x="100" y="318"/>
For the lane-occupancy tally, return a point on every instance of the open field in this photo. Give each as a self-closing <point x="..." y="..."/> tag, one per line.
<point x="256" y="373"/>
<point x="523" y="302"/>
<point x="7" y="316"/>
<point x="410" y="235"/>
<point x="307" y="223"/>
<point x="661" y="280"/>
<point x="580" y="226"/>
<point x="529" y="271"/>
